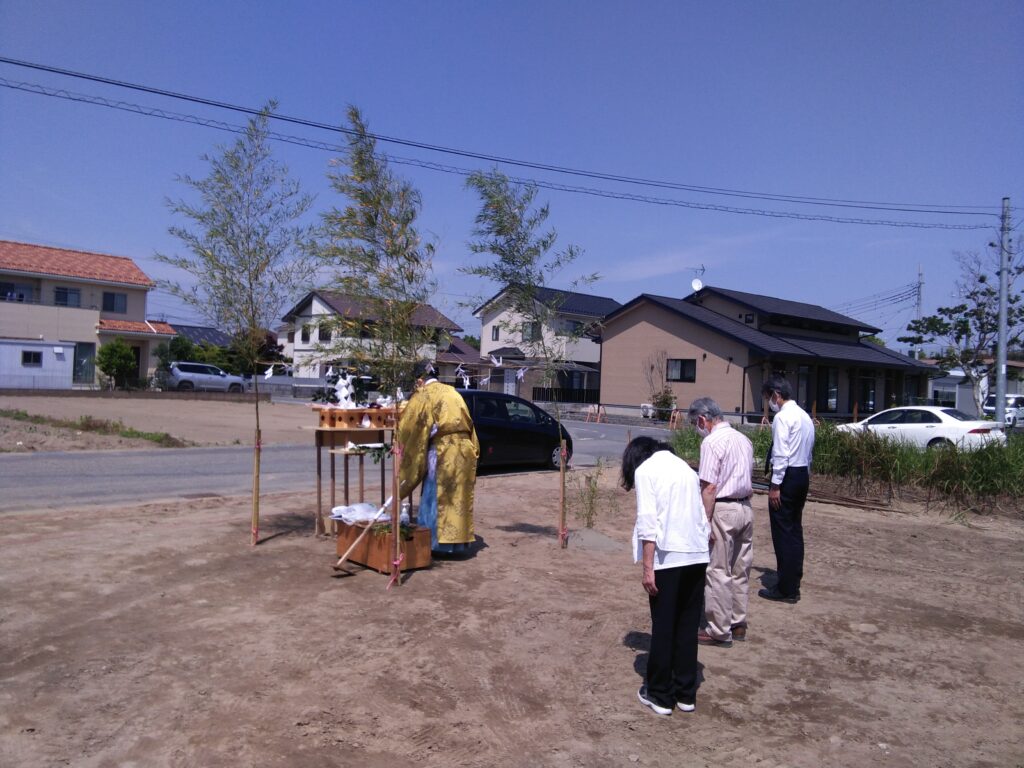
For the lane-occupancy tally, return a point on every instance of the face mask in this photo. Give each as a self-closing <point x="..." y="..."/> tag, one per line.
<point x="774" y="406"/>
<point x="701" y="431"/>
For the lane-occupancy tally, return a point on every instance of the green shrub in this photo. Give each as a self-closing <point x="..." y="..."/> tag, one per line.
<point x="976" y="480"/>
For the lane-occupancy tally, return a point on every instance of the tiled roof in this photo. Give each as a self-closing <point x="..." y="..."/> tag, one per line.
<point x="459" y="352"/>
<point x="149" y="327"/>
<point x="570" y="302"/>
<point x="863" y="353"/>
<point x="509" y="352"/>
<point x="773" y="306"/>
<point x="60" y="262"/>
<point x="199" y="334"/>
<point x="425" y="315"/>
<point x="740" y="331"/>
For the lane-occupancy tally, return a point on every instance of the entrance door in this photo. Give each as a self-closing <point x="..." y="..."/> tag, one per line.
<point x="137" y="354"/>
<point x="85" y="363"/>
<point x="510" y="382"/>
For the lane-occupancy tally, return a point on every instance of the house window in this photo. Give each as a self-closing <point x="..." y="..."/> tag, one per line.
<point x="803" y="386"/>
<point x="494" y="332"/>
<point x="828" y="389"/>
<point x="681" y="370"/>
<point x="15" y="291"/>
<point x="31" y="359"/>
<point x="571" y="328"/>
<point x="325" y="333"/>
<point x="291" y="337"/>
<point x="115" y="302"/>
<point x="531" y="331"/>
<point x="305" y="334"/>
<point x="749" y="318"/>
<point x="67" y="297"/>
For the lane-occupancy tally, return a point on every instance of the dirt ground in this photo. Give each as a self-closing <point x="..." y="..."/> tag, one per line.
<point x="199" y="422"/>
<point x="152" y="636"/>
<point x="148" y="636"/>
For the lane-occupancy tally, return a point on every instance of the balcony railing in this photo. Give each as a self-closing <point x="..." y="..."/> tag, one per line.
<point x="39" y="302"/>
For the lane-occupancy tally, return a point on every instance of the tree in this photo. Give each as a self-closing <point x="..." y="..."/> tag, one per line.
<point x="380" y="260"/>
<point x="967" y="331"/>
<point x="513" y="233"/>
<point x="473" y="341"/>
<point x="116" y="360"/>
<point x="873" y="339"/>
<point x="177" y="349"/>
<point x="246" y="252"/>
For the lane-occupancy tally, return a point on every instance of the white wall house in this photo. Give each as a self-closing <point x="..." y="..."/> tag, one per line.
<point x="85" y="299"/>
<point x="313" y="337"/>
<point x="505" y="334"/>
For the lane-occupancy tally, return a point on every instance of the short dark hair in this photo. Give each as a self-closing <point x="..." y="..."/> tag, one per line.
<point x="639" y="450"/>
<point x="777" y="383"/>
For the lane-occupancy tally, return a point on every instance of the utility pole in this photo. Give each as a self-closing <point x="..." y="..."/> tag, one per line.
<point x="1004" y="255"/>
<point x="920" y="293"/>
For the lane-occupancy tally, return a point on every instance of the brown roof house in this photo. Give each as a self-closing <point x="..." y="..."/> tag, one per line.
<point x="76" y="300"/>
<point x="505" y="336"/>
<point x="312" y="324"/>
<point x="723" y="344"/>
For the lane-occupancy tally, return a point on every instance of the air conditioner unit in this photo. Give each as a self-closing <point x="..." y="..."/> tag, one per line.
<point x="647" y="410"/>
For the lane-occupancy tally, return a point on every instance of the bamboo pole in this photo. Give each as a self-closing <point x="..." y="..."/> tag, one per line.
<point x="563" y="531"/>
<point x="256" y="490"/>
<point x="396" y="526"/>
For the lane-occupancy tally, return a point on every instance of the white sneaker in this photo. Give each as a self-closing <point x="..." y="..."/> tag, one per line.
<point x="655" y="708"/>
<point x="686" y="707"/>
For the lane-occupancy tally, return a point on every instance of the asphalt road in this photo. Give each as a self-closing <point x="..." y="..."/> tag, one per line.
<point x="62" y="479"/>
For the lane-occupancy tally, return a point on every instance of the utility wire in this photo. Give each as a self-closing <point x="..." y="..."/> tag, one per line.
<point x="555" y="186"/>
<point x="765" y="196"/>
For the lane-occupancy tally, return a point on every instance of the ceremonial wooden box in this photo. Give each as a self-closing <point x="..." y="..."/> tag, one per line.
<point x="374" y="551"/>
<point x="352" y="418"/>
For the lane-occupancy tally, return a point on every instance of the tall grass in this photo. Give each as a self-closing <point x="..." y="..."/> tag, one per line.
<point x="976" y="480"/>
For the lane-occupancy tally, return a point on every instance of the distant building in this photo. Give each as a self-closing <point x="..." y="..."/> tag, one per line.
<point x="311" y="325"/>
<point x="60" y="297"/>
<point x="724" y="344"/>
<point x="508" y="336"/>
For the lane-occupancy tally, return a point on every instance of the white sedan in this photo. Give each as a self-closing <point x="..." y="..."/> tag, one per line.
<point x="928" y="426"/>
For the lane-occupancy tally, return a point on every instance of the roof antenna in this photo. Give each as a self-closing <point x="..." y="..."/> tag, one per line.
<point x="696" y="283"/>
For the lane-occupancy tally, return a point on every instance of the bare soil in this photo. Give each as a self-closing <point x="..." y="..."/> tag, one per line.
<point x="152" y="636"/>
<point x="198" y="422"/>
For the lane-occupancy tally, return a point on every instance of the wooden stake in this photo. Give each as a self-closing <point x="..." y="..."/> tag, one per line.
<point x="256" y="491"/>
<point x="563" y="533"/>
<point x="854" y="411"/>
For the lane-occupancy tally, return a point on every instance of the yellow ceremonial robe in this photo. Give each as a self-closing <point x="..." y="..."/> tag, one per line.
<point x="437" y="404"/>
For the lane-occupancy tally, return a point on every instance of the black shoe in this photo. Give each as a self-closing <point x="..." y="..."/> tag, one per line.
<point x="774" y="594"/>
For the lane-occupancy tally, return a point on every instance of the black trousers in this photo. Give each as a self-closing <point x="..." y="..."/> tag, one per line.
<point x="675" y="619"/>
<point x="788" y="530"/>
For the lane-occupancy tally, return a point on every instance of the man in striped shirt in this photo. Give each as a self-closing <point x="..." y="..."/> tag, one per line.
<point x="726" y="468"/>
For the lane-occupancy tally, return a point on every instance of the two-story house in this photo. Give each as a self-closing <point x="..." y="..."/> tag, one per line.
<point x="57" y="299"/>
<point x="320" y="319"/>
<point x="575" y="319"/>
<point x="723" y="344"/>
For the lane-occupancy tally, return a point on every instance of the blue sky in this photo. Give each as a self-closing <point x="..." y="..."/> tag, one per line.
<point x="908" y="102"/>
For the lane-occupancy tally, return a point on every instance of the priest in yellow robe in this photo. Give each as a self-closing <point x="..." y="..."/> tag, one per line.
<point x="440" y="449"/>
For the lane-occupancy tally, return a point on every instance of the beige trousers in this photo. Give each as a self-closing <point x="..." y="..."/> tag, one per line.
<point x="726" y="587"/>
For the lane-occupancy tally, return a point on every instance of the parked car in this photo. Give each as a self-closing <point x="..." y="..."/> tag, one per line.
<point x="188" y="376"/>
<point x="1014" y="411"/>
<point x="514" y="431"/>
<point x="928" y="426"/>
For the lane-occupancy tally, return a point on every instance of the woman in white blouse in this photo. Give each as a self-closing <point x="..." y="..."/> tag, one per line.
<point x="671" y="540"/>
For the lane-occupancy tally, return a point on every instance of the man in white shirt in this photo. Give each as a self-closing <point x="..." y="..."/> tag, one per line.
<point x="726" y="469"/>
<point x="671" y="539"/>
<point x="792" y="445"/>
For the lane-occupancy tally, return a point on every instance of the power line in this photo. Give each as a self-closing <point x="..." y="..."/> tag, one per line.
<point x="765" y="196"/>
<point x="558" y="187"/>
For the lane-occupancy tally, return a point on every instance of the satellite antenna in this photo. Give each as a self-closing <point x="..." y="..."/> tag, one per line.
<point x="696" y="284"/>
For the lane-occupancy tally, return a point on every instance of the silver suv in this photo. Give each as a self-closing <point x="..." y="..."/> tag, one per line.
<point x="188" y="376"/>
<point x="1014" y="409"/>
